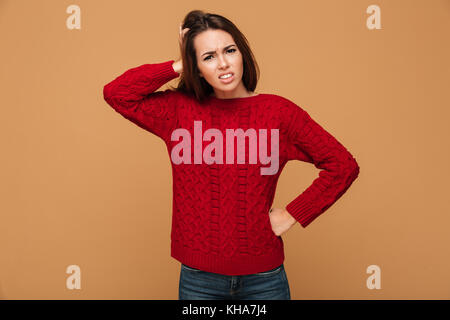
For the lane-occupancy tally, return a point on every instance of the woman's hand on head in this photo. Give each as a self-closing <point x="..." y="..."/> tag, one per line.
<point x="181" y="35"/>
<point x="178" y="65"/>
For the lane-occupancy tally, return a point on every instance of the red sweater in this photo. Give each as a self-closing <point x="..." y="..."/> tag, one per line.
<point x="221" y="200"/>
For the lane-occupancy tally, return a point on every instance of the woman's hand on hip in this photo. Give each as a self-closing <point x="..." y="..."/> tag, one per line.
<point x="281" y="220"/>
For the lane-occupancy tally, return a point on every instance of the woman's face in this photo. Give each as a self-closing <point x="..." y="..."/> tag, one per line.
<point x="217" y="54"/>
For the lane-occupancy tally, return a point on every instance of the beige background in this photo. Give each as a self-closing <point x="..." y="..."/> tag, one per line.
<point x="83" y="186"/>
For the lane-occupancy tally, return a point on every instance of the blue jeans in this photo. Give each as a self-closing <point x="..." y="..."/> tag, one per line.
<point x="196" y="284"/>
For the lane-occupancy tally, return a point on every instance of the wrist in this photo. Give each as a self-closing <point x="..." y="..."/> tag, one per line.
<point x="289" y="216"/>
<point x="177" y="66"/>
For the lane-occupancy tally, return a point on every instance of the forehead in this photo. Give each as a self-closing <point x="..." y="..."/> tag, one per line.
<point x="212" y="40"/>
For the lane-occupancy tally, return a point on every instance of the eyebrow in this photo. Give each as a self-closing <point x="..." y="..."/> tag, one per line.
<point x="209" y="52"/>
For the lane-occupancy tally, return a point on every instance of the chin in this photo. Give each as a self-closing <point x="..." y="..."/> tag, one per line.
<point x="226" y="88"/>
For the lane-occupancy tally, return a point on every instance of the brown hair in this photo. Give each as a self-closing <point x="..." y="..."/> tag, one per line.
<point x="190" y="81"/>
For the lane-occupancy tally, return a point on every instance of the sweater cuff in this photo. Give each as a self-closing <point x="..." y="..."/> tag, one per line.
<point x="302" y="210"/>
<point x="167" y="70"/>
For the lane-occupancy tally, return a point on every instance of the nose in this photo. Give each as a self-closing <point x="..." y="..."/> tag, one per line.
<point x="223" y="63"/>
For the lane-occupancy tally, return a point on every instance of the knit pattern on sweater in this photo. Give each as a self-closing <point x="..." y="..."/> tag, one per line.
<point x="220" y="219"/>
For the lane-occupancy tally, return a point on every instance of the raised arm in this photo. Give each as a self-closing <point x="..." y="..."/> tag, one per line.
<point x="133" y="95"/>
<point x="312" y="143"/>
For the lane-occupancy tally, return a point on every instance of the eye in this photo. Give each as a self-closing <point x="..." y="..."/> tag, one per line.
<point x="232" y="50"/>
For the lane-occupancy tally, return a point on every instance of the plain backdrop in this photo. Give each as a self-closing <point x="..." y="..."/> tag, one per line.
<point x="81" y="185"/>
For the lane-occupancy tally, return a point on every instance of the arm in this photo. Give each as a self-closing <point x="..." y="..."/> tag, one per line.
<point x="314" y="144"/>
<point x="133" y="95"/>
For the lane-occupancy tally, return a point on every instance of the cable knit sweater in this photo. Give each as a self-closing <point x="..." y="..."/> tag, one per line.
<point x="222" y="193"/>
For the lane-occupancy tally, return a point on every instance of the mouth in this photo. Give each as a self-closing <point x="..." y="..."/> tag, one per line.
<point x="227" y="79"/>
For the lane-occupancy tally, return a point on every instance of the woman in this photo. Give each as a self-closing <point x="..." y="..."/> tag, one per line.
<point x="223" y="233"/>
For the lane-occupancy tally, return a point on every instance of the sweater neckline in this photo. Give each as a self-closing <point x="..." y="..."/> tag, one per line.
<point x="234" y="101"/>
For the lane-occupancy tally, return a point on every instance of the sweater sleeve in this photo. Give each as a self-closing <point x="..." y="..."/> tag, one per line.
<point x="133" y="95"/>
<point x="312" y="143"/>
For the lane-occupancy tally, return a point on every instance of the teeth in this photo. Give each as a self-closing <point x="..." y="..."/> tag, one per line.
<point x="226" y="76"/>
